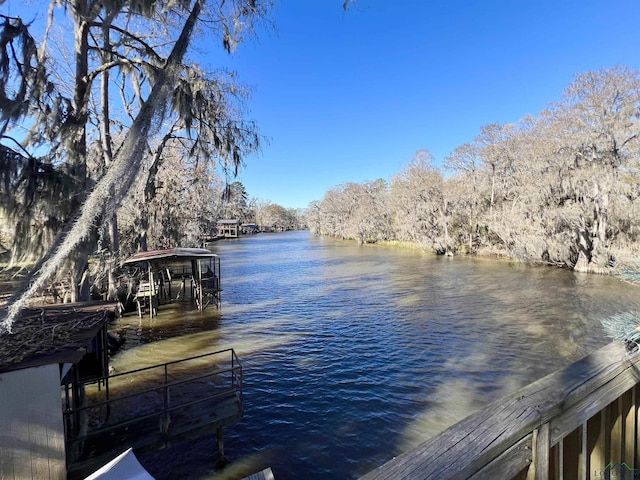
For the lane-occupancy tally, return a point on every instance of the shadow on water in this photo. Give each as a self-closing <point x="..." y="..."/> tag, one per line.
<point x="353" y="354"/>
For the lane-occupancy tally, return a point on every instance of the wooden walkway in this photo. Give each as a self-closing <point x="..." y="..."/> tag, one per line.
<point x="580" y="422"/>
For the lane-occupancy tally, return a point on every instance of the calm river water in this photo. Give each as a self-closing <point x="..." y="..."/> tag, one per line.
<point x="354" y="354"/>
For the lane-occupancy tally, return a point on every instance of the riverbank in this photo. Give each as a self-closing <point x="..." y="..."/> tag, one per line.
<point x="626" y="268"/>
<point x="353" y="354"/>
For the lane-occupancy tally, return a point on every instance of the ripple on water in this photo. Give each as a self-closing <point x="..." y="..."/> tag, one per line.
<point x="353" y="354"/>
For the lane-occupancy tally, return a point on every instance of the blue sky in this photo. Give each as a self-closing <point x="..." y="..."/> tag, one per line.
<point x="350" y="96"/>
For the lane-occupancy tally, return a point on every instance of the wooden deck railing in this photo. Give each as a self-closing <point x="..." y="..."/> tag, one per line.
<point x="580" y="422"/>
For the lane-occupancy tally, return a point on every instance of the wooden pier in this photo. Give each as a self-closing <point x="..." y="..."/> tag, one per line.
<point x="580" y="422"/>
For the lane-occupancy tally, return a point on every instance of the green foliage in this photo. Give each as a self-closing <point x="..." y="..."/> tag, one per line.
<point x="624" y="327"/>
<point x="629" y="272"/>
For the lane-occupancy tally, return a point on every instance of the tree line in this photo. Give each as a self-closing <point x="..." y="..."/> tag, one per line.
<point x="237" y="205"/>
<point x="558" y="188"/>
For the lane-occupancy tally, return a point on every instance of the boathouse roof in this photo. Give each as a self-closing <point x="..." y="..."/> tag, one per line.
<point x="59" y="333"/>
<point x="169" y="254"/>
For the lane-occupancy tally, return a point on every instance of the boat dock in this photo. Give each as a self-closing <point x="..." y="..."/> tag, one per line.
<point x="164" y="276"/>
<point x="150" y="408"/>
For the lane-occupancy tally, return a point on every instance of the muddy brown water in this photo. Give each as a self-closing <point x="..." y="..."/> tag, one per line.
<point x="353" y="354"/>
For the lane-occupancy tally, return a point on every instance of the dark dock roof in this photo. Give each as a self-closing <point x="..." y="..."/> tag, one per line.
<point x="169" y="254"/>
<point x="48" y="334"/>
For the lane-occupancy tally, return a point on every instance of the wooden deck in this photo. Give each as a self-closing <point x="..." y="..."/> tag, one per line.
<point x="580" y="422"/>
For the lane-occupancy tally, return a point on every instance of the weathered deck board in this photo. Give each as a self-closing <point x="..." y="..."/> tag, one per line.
<point x="564" y="398"/>
<point x="515" y="458"/>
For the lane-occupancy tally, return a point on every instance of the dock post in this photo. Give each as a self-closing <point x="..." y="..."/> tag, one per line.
<point x="221" y="460"/>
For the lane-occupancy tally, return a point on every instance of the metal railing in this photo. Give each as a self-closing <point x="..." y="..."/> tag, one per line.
<point x="151" y="405"/>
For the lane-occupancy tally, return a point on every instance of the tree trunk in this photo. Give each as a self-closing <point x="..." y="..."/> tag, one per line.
<point x="493" y="190"/>
<point x="78" y="169"/>
<point x="592" y="242"/>
<point x="107" y="152"/>
<point x="114" y="241"/>
<point x="121" y="175"/>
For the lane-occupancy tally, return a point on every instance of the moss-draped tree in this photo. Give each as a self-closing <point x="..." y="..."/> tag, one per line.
<point x="134" y="51"/>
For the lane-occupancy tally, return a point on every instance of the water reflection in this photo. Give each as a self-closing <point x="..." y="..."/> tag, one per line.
<point x="353" y="354"/>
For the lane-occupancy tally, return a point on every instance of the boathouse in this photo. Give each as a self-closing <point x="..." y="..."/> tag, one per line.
<point x="50" y="346"/>
<point x="163" y="276"/>
<point x="228" y="228"/>
<point x="248" y="228"/>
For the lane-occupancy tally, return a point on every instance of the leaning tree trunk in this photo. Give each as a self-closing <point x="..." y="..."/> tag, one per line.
<point x="114" y="242"/>
<point x="120" y="176"/>
<point x="150" y="191"/>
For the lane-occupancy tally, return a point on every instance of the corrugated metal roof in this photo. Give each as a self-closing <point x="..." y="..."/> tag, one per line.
<point x="170" y="253"/>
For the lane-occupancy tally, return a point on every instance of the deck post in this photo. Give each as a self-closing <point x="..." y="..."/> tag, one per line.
<point x="219" y="284"/>
<point x="539" y="468"/>
<point x="596" y="448"/>
<point x="166" y="420"/>
<point x="615" y="435"/>
<point x="608" y="431"/>
<point x="77" y="402"/>
<point x="107" y="396"/>
<point x="632" y="421"/>
<point x="629" y="421"/>
<point x="583" y="460"/>
<point x="636" y="398"/>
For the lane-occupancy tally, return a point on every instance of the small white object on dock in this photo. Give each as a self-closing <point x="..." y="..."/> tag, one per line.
<point x="265" y="474"/>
